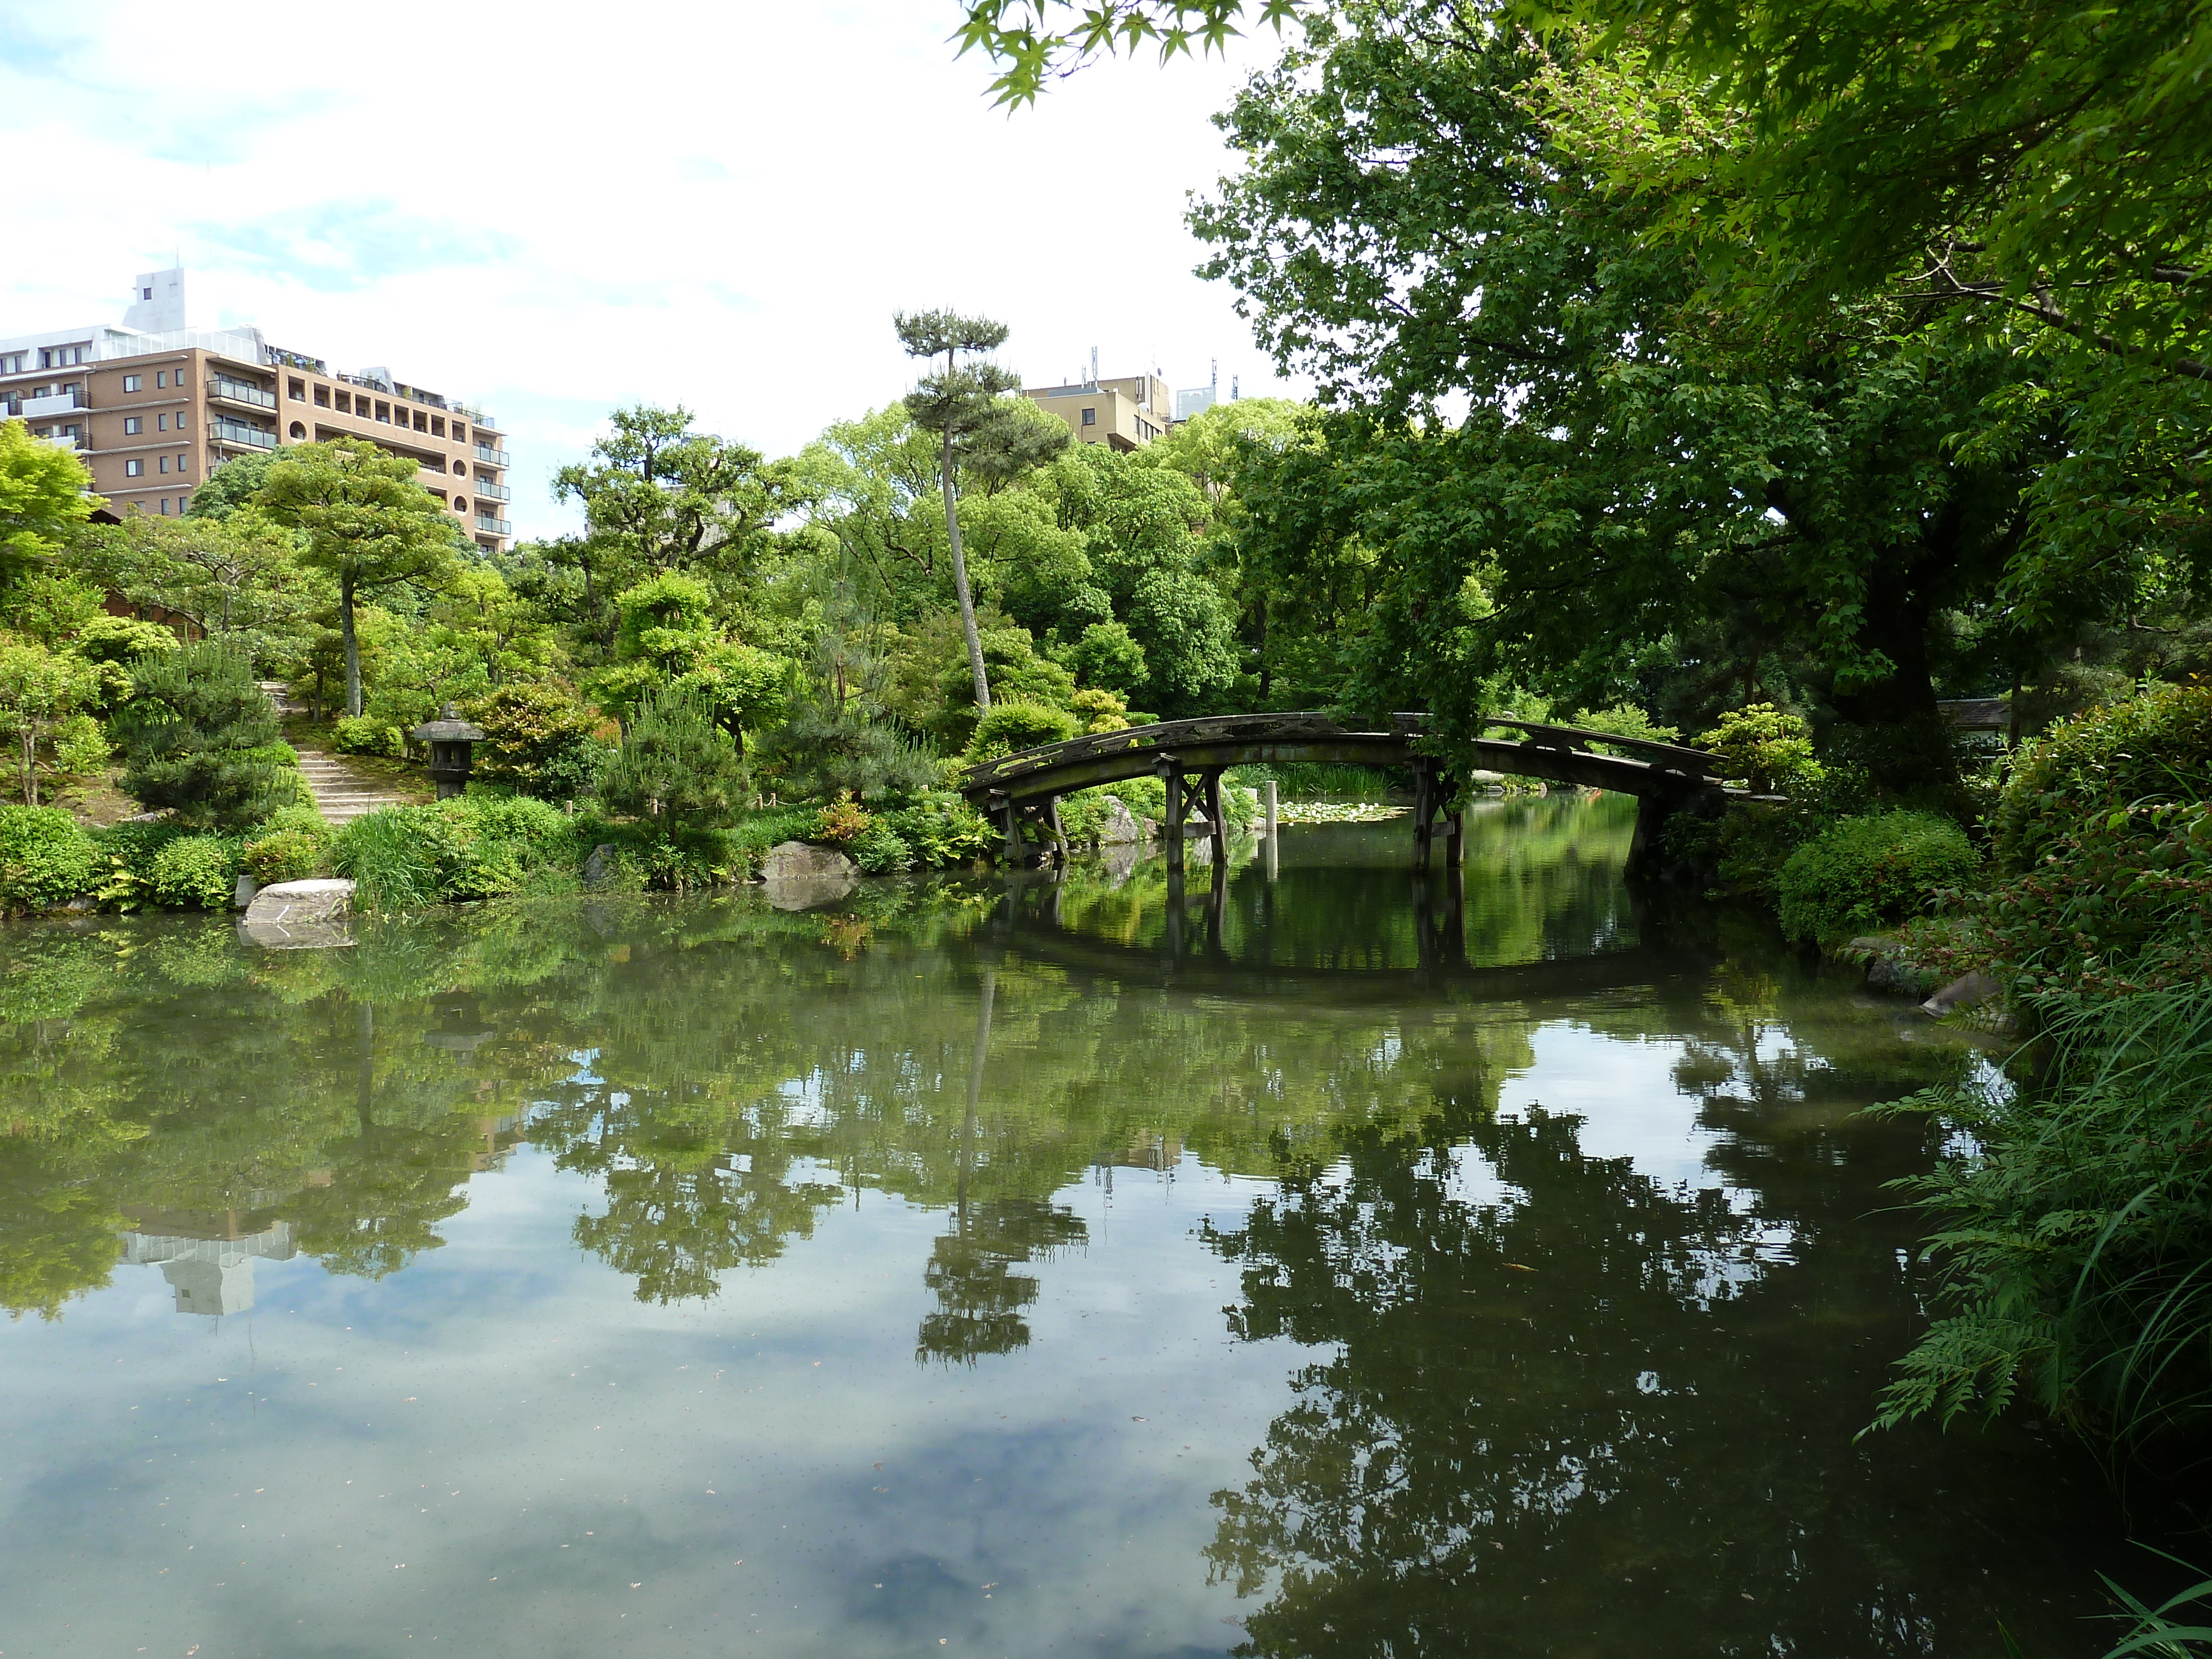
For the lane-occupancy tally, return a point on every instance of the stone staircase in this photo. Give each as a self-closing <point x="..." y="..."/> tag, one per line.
<point x="342" y="793"/>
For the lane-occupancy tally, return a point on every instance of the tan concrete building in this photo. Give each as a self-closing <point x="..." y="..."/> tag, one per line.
<point x="1125" y="414"/>
<point x="154" y="410"/>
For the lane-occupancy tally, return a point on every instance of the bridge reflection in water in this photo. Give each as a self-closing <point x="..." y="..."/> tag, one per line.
<point x="1538" y="911"/>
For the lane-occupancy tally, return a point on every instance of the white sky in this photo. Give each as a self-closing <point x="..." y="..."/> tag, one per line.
<point x="557" y="208"/>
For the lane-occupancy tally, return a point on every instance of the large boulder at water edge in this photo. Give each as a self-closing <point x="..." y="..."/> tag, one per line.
<point x="797" y="877"/>
<point x="1120" y="827"/>
<point x="301" y="915"/>
<point x="798" y="860"/>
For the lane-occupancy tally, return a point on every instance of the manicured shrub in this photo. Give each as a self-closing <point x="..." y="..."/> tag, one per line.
<point x="1861" y="872"/>
<point x="1099" y="710"/>
<point x="1011" y="727"/>
<point x="359" y="734"/>
<point x="538" y="740"/>
<point x="1764" y="747"/>
<point x="471" y="846"/>
<point x="201" y="739"/>
<point x="46" y="859"/>
<point x="674" y="762"/>
<point x="196" y="873"/>
<point x="880" y="850"/>
<point x="2154" y="747"/>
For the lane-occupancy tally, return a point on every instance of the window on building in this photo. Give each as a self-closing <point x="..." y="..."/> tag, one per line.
<point x="384" y="411"/>
<point x="160" y="423"/>
<point x="1091" y="418"/>
<point x="296" y="391"/>
<point x="460" y="433"/>
<point x="422" y="422"/>
<point x="133" y="425"/>
<point x="184" y="463"/>
<point x="299" y="429"/>
<point x="345" y="403"/>
<point x="437" y="426"/>
<point x="322" y="396"/>
<point x="134" y="382"/>
<point x="160" y="379"/>
<point x="165" y="507"/>
<point x="134" y="469"/>
<point x="183" y="501"/>
<point x="12" y="363"/>
<point x="165" y="463"/>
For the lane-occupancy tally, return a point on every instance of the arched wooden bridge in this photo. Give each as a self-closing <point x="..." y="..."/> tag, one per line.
<point x="1022" y="792"/>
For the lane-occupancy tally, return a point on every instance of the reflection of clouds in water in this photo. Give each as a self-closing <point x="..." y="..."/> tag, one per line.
<point x="1632" y="1107"/>
<point x="1626" y="1095"/>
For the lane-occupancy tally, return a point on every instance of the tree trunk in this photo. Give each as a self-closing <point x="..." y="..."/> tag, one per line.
<point x="30" y="757"/>
<point x="1905" y="744"/>
<point x="960" y="585"/>
<point x="352" y="646"/>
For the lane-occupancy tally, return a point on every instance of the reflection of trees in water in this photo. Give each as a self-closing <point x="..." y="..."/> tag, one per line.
<point x="1570" y="1408"/>
<point x="980" y="1297"/>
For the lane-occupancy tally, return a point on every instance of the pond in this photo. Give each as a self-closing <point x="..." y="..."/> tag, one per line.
<point x="1322" y="1260"/>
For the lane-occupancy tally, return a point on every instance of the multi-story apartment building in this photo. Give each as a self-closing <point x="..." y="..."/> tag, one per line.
<point x="154" y="408"/>
<point x="1125" y="414"/>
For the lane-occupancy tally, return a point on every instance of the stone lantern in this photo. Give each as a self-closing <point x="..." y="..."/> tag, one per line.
<point x="452" y="741"/>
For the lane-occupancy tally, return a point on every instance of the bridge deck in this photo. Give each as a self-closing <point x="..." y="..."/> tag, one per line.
<point x="1558" y="754"/>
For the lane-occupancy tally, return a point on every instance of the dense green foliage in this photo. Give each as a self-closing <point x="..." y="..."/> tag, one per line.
<point x="2146" y="750"/>
<point x="674" y="761"/>
<point x="195" y="872"/>
<point x="467" y="847"/>
<point x="2080" y="1237"/>
<point x="1862" y="873"/>
<point x="46" y="859"/>
<point x="201" y="741"/>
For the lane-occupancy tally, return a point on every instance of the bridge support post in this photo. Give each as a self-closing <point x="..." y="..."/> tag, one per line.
<point x="1433" y="788"/>
<point x="1217" y="829"/>
<point x="1170" y="768"/>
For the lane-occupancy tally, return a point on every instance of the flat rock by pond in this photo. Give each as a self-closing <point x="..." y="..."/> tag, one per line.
<point x="301" y="915"/>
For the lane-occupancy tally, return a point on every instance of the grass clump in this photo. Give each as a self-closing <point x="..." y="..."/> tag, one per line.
<point x="1862" y="873"/>
<point x="471" y="846"/>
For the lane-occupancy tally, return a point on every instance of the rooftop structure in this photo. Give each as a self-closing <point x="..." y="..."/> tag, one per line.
<point x="153" y="409"/>
<point x="1125" y="414"/>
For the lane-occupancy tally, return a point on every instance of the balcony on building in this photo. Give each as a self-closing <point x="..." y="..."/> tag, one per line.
<point x="223" y="389"/>
<point x="491" y="456"/>
<point x="492" y="492"/>
<point x="494" y="526"/>
<point x="58" y="403"/>
<point x="240" y="436"/>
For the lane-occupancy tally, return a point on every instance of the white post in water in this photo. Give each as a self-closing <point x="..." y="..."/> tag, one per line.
<point x="1273" y="843"/>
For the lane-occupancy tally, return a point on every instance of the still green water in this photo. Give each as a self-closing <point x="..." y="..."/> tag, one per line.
<point x="1321" y="1267"/>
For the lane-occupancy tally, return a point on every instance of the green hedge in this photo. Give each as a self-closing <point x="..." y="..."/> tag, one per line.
<point x="46" y="859"/>
<point x="1862" y="873"/>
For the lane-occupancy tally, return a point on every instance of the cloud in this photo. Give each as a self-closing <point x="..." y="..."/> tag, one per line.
<point x="343" y="246"/>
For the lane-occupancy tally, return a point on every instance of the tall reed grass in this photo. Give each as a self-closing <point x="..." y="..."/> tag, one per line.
<point x="2078" y="1235"/>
